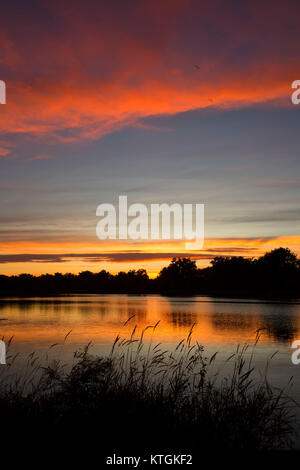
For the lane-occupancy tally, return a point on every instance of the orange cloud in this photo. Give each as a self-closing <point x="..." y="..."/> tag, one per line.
<point x="70" y="113"/>
<point x="103" y="71"/>
<point x="45" y="257"/>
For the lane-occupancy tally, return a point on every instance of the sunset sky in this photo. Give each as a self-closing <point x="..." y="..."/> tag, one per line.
<point x="164" y="101"/>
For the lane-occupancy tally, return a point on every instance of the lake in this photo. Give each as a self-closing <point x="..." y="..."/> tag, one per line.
<point x="220" y="325"/>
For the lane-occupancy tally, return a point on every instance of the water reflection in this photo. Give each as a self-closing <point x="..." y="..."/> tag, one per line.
<point x="100" y="318"/>
<point x="220" y="326"/>
<point x="181" y="319"/>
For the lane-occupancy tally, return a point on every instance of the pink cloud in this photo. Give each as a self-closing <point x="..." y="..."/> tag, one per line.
<point x="39" y="157"/>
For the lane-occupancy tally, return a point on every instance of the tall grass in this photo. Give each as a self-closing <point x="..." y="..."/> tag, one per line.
<point x="144" y="394"/>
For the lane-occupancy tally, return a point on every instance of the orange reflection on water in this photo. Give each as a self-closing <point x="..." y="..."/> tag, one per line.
<point x="38" y="323"/>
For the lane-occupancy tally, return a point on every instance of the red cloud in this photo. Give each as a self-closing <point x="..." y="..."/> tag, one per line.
<point x="86" y="70"/>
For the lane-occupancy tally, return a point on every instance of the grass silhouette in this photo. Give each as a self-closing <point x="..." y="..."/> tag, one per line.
<point x="142" y="394"/>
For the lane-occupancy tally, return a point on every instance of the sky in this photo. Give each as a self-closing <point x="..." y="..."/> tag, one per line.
<point x="163" y="101"/>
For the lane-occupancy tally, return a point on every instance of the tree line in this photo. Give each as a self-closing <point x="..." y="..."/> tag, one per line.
<point x="275" y="274"/>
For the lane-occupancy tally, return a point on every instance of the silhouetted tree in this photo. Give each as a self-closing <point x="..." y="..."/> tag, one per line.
<point x="279" y="258"/>
<point x="180" y="275"/>
<point x="231" y="273"/>
<point x="277" y="273"/>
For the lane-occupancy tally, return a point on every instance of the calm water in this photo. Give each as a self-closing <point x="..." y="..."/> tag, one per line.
<point x="221" y="324"/>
